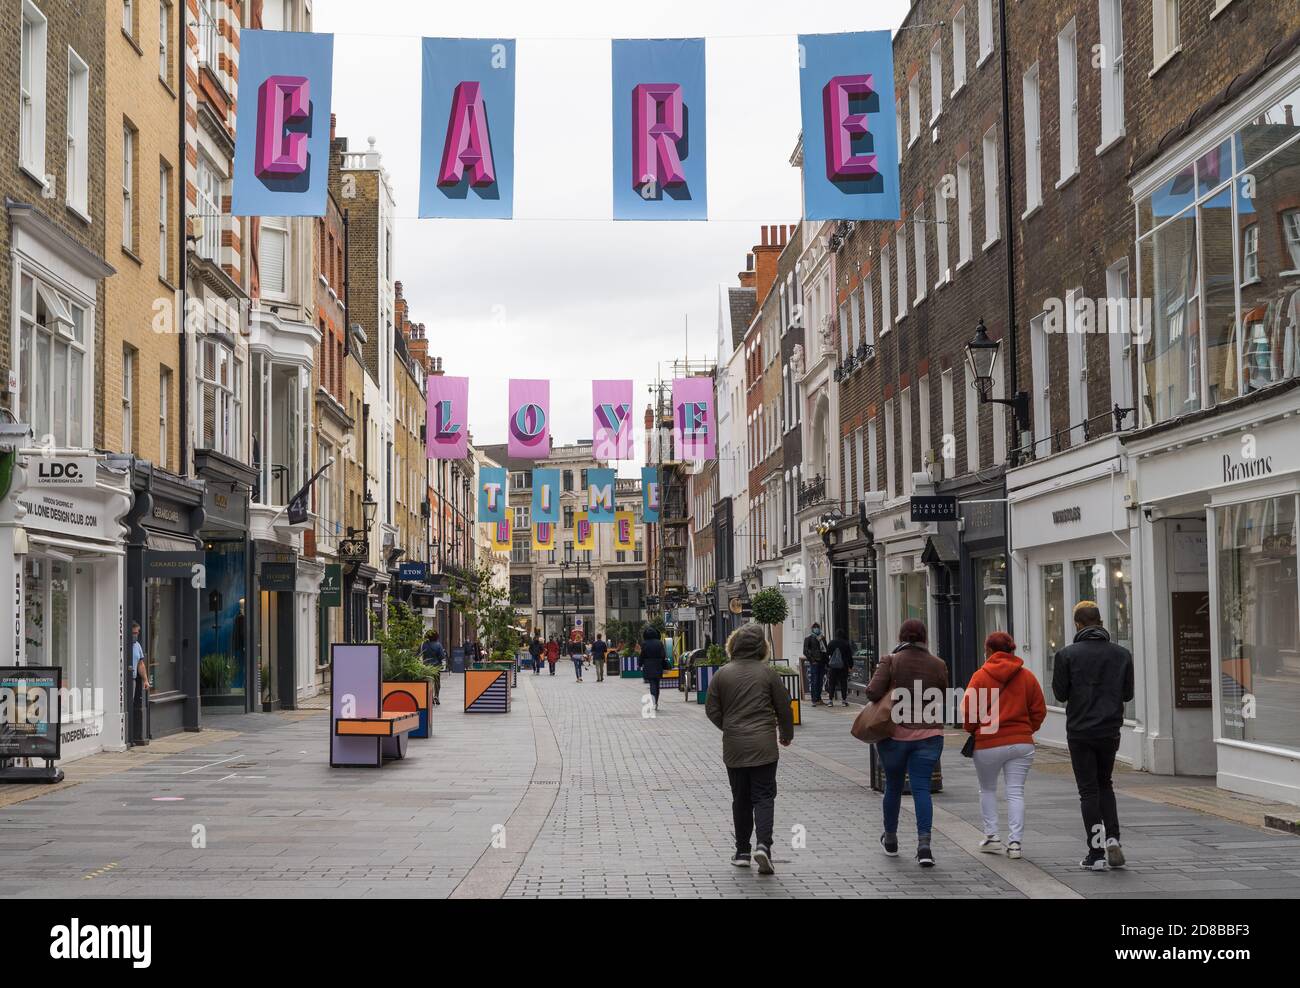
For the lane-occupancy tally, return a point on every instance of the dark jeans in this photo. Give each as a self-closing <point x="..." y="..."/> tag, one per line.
<point x="753" y="804"/>
<point x="551" y="663"/>
<point x="537" y="665"/>
<point x="838" y="678"/>
<point x="137" y="713"/>
<point x="1094" y="762"/>
<point x="653" y="684"/>
<point x="816" y="675"/>
<point x="914" y="760"/>
<point x="577" y="665"/>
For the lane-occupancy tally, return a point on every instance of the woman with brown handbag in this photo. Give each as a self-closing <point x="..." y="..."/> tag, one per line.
<point x="908" y="674"/>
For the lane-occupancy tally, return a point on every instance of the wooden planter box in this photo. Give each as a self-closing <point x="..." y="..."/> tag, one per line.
<point x="410" y="698"/>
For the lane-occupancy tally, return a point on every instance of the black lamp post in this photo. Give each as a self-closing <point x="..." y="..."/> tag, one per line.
<point x="981" y="359"/>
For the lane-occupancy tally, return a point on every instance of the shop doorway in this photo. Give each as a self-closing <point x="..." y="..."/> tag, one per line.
<point x="275" y="652"/>
<point x="1187" y="617"/>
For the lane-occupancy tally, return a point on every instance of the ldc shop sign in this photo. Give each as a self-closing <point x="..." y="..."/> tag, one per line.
<point x="64" y="471"/>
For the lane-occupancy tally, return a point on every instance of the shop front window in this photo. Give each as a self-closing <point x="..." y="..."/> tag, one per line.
<point x="990" y="598"/>
<point x="1053" y="616"/>
<point x="1259" y="636"/>
<point x="910" y="590"/>
<point x="57" y="631"/>
<point x="162" y="607"/>
<point x="1119" y="610"/>
<point x="223" y="621"/>
<point x="860" y="591"/>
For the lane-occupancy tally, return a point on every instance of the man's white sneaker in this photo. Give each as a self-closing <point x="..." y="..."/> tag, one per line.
<point x="1013" y="849"/>
<point x="991" y="845"/>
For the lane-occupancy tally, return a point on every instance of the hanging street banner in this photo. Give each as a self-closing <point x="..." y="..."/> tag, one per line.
<point x="467" y="128"/>
<point x="611" y="420"/>
<point x="694" y="435"/>
<point x="659" y="130"/>
<point x="446" y="417"/>
<point x="500" y="533"/>
<point x="850" y="153"/>
<point x="543" y="536"/>
<point x="282" y="124"/>
<point x="492" y="494"/>
<point x="600" y="495"/>
<point x="584" y="532"/>
<point x="530" y="413"/>
<point x="650" y="494"/>
<point x="546" y="495"/>
<point x="625" y="531"/>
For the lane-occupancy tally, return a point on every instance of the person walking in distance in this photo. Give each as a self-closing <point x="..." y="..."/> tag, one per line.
<point x="750" y="705"/>
<point x="552" y="653"/>
<point x="814" y="654"/>
<point x="138" y="669"/>
<point x="917" y="744"/>
<point x="1002" y="708"/>
<point x="434" y="655"/>
<point x="577" y="652"/>
<point x="654" y="659"/>
<point x="598" y="650"/>
<point x="535" y="649"/>
<point x="839" y="660"/>
<point x="1093" y="677"/>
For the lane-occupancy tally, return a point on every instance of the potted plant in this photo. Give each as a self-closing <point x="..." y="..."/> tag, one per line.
<point x="407" y="681"/>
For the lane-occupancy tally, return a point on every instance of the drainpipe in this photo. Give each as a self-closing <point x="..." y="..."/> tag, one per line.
<point x="182" y="49"/>
<point x="1013" y="385"/>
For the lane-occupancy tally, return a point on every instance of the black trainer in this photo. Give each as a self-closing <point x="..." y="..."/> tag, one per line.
<point x="890" y="847"/>
<point x="924" y="857"/>
<point x="763" y="858"/>
<point x="740" y="860"/>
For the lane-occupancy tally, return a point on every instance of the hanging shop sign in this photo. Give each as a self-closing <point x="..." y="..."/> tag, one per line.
<point x="184" y="565"/>
<point x="331" y="585"/>
<point x="413" y="572"/>
<point x="934" y="508"/>
<point x="63" y="471"/>
<point x="354" y="550"/>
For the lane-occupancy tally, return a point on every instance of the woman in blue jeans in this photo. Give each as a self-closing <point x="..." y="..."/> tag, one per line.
<point x="909" y="673"/>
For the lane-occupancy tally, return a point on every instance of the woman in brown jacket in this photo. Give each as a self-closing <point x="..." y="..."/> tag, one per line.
<point x="911" y="673"/>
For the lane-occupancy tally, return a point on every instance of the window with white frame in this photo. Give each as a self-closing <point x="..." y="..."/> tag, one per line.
<point x="220" y="398"/>
<point x="54" y="341"/>
<point x="873" y="469"/>
<point x="1076" y="335"/>
<point x="890" y="472"/>
<point x="992" y="205"/>
<point x="208" y="209"/>
<point x="128" y="18"/>
<point x="963" y="211"/>
<point x="846" y="471"/>
<point x="936" y="81"/>
<point x="868" y="313"/>
<point x="941" y="236"/>
<point x="1119" y="336"/>
<point x="128" y="399"/>
<point x="1042" y="390"/>
<point x="898" y="122"/>
<point x="273" y="256"/>
<point x="1033" y="142"/>
<point x="905" y="410"/>
<point x="207" y="33"/>
<point x="900" y="256"/>
<point x="958" y="50"/>
<point x="972" y="428"/>
<point x="986" y="29"/>
<point x="855" y="318"/>
<point x="164" y="220"/>
<point x="77" y="180"/>
<point x="1112" y="70"/>
<point x="164" y="417"/>
<point x="1067" y="56"/>
<point x="1291" y="237"/>
<point x="948" y="439"/>
<point x="886" y="293"/>
<point x="1166" y="31"/>
<point x="918" y="249"/>
<point x="844" y="330"/>
<point x="31" y="91"/>
<point x="128" y="186"/>
<point x="165" y="41"/>
<point x="1250" y="254"/>
<point x="914" y="109"/>
<point x="860" y="464"/>
<point x="923" y="405"/>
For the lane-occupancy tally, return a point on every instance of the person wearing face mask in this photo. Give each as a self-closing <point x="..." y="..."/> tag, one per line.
<point x="814" y="654"/>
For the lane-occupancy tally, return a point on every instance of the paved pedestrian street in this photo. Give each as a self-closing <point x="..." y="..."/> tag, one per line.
<point x="575" y="793"/>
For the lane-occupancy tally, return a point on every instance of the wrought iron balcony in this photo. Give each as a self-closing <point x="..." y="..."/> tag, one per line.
<point x="812" y="492"/>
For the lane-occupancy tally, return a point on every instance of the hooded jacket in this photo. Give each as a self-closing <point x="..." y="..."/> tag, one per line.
<point x="748" y="702"/>
<point x="1003" y="703"/>
<point x="654" y="658"/>
<point x="911" y="667"/>
<point x="1094" y="679"/>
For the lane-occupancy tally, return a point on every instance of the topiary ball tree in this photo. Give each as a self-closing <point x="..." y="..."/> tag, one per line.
<point x="769" y="608"/>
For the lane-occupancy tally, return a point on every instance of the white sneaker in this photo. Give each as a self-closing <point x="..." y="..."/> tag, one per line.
<point x="991" y="845"/>
<point x="1013" y="849"/>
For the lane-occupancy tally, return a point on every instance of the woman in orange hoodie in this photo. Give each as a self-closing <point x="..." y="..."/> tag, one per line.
<point x="1003" y="707"/>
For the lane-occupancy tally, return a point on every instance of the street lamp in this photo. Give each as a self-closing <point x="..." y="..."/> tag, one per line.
<point x="981" y="359"/>
<point x="369" y="506"/>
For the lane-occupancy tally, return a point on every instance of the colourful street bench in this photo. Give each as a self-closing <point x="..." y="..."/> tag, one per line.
<point x="362" y="733"/>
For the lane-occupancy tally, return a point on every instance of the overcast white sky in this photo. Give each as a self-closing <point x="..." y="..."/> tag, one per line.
<point x="561" y="291"/>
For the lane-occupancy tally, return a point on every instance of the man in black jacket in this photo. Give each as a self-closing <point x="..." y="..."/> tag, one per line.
<point x="814" y="653"/>
<point x="1094" y="679"/>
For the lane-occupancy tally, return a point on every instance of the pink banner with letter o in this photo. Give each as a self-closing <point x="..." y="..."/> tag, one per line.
<point x="530" y="419"/>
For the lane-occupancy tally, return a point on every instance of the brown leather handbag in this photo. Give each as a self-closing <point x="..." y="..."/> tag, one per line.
<point x="875" y="721"/>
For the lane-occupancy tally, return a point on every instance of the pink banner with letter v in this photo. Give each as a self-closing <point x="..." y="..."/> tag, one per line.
<point x="611" y="420"/>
